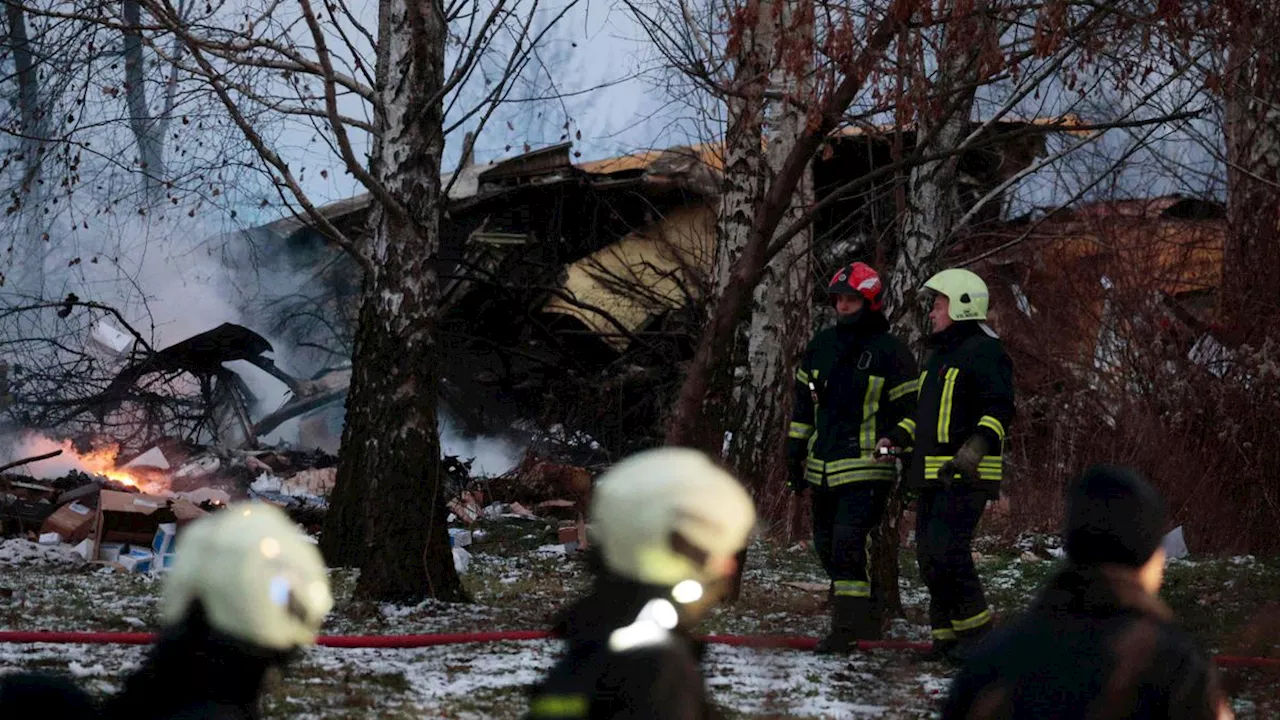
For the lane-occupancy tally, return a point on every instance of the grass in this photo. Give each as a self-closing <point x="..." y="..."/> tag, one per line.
<point x="1230" y="604"/>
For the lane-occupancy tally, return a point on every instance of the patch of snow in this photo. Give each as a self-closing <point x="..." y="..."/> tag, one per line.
<point x="17" y="552"/>
<point x="934" y="686"/>
<point x="83" y="671"/>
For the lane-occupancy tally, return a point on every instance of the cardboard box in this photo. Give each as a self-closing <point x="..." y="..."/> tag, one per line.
<point x="136" y="560"/>
<point x="86" y="495"/>
<point x="162" y="543"/>
<point x="85" y="549"/>
<point x="109" y="552"/>
<point x="73" y="521"/>
<point x="134" y="518"/>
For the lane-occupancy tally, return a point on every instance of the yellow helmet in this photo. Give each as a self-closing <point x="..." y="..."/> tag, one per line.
<point x="256" y="574"/>
<point x="966" y="292"/>
<point x="669" y="515"/>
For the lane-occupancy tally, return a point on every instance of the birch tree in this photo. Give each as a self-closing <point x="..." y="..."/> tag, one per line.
<point x="922" y="66"/>
<point x="1251" y="86"/>
<point x="386" y="514"/>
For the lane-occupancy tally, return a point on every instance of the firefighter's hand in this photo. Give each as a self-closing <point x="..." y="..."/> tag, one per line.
<point x="795" y="478"/>
<point x="882" y="456"/>
<point x="965" y="464"/>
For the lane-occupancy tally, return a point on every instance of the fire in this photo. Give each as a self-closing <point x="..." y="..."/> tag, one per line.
<point x="100" y="461"/>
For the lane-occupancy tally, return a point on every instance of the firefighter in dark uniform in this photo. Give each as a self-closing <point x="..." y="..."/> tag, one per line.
<point x="667" y="525"/>
<point x="246" y="594"/>
<point x="1097" y="642"/>
<point x="855" y="382"/>
<point x="963" y="412"/>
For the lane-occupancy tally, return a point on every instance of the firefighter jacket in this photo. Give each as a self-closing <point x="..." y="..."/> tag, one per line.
<point x="966" y="388"/>
<point x="617" y="666"/>
<point x="1095" y="644"/>
<point x="196" y="673"/>
<point x="854" y="383"/>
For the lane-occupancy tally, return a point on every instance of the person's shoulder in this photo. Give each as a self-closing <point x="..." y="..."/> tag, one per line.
<point x="1176" y="647"/>
<point x="824" y="336"/>
<point x="1007" y="642"/>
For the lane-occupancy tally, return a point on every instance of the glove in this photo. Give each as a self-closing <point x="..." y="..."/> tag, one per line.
<point x="797" y="453"/>
<point x="795" y="478"/>
<point x="965" y="464"/>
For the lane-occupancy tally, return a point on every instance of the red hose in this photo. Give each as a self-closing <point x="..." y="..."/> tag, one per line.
<point x="417" y="641"/>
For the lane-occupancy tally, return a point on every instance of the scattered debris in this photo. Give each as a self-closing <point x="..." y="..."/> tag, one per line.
<point x="461" y="560"/>
<point x="1175" y="544"/>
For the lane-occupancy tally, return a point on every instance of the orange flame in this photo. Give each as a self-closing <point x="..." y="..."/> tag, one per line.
<point x="100" y="461"/>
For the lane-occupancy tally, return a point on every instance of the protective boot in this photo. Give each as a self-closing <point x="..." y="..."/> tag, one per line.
<point x="851" y="621"/>
<point x="943" y="645"/>
<point x="967" y="643"/>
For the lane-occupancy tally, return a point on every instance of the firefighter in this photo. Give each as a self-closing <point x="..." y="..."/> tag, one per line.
<point x="44" y="695"/>
<point x="247" y="591"/>
<point x="1097" y="642"/>
<point x="963" y="412"/>
<point x="855" y="382"/>
<point x="667" y="524"/>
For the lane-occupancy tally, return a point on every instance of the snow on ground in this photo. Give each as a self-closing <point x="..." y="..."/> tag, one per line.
<point x="19" y="552"/>
<point x="517" y="584"/>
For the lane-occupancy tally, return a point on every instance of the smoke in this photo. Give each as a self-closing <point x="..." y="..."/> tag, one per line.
<point x="30" y="444"/>
<point x="493" y="455"/>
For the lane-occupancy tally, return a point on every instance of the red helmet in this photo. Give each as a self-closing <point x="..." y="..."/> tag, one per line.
<point x="858" y="279"/>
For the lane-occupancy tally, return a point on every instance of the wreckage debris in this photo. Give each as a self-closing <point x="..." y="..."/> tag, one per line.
<point x="128" y="515"/>
<point x="556" y="491"/>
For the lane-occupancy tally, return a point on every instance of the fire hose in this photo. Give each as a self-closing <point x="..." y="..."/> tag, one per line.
<point x="434" y="639"/>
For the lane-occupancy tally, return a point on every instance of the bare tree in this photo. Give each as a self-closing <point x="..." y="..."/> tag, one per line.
<point x="386" y="514"/>
<point x="32" y="129"/>
<point x="927" y="68"/>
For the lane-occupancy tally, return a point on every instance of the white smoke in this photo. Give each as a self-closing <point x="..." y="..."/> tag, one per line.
<point x="493" y="455"/>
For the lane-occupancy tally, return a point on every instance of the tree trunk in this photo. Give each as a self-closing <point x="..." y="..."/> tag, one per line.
<point x="388" y="511"/>
<point x="750" y="403"/>
<point x="32" y="246"/>
<point x="1251" y="278"/>
<point x="928" y="220"/>
<point x="145" y="130"/>
<point x="690" y="417"/>
<point x="776" y="328"/>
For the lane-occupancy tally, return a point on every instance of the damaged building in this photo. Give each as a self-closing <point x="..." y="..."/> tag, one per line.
<point x="571" y="297"/>
<point x="571" y="291"/>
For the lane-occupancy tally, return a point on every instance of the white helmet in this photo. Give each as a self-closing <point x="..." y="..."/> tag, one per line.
<point x="256" y="574"/>
<point x="670" y="515"/>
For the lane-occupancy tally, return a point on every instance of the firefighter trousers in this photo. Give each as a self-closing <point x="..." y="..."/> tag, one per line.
<point x="843" y="519"/>
<point x="946" y="519"/>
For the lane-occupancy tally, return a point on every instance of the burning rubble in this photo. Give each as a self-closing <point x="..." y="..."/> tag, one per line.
<point x="127" y="511"/>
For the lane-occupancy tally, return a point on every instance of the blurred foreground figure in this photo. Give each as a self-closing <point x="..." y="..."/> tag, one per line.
<point x="1098" y="642"/>
<point x="44" y="695"/>
<point x="246" y="592"/>
<point x="667" y="524"/>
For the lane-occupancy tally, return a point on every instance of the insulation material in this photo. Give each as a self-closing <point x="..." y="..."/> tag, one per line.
<point x="643" y="275"/>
